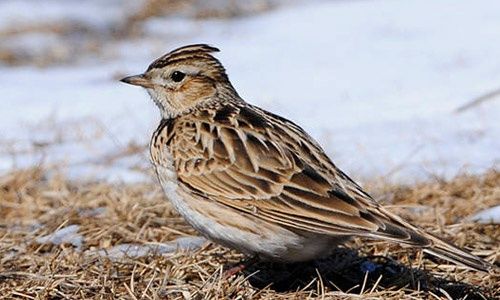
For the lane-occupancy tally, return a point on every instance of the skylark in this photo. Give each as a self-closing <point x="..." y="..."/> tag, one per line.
<point x="254" y="181"/>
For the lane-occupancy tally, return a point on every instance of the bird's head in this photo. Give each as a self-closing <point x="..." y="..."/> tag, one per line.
<point x="184" y="79"/>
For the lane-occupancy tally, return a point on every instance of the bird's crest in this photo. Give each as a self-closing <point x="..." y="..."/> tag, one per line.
<point x="196" y="51"/>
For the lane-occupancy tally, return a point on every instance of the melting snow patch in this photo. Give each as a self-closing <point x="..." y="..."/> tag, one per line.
<point x="487" y="216"/>
<point x="66" y="235"/>
<point x="96" y="212"/>
<point x="137" y="250"/>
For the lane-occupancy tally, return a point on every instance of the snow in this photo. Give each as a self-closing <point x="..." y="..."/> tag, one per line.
<point x="188" y="243"/>
<point x="376" y="82"/>
<point x="487" y="216"/>
<point x="66" y="235"/>
<point x="70" y="235"/>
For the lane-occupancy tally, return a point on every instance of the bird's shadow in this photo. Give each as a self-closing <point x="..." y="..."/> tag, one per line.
<point x="347" y="271"/>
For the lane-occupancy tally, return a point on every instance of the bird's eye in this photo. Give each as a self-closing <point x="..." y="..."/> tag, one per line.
<point x="177" y="76"/>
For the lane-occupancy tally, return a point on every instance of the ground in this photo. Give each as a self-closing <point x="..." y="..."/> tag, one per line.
<point x="402" y="95"/>
<point x="379" y="86"/>
<point x="101" y="216"/>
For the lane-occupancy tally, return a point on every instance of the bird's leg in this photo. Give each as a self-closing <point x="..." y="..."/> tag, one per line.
<point x="240" y="266"/>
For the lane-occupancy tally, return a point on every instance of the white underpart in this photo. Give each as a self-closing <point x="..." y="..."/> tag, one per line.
<point x="279" y="244"/>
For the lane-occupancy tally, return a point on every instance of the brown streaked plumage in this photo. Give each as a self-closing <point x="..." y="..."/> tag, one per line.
<point x="254" y="181"/>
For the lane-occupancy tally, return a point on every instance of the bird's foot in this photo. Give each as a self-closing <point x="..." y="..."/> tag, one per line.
<point x="239" y="267"/>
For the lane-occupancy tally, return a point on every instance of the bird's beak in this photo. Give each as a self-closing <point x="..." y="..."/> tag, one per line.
<point x="139" y="80"/>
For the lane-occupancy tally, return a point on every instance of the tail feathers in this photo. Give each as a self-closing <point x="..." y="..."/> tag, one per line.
<point x="413" y="236"/>
<point x="447" y="251"/>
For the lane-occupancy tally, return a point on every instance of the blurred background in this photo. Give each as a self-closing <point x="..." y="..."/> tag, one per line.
<point x="402" y="90"/>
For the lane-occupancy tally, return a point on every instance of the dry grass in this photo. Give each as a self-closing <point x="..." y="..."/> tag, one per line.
<point x="199" y="9"/>
<point x="32" y="205"/>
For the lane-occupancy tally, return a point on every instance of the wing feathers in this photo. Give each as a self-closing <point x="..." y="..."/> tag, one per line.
<point x="321" y="202"/>
<point x="311" y="181"/>
<point x="244" y="167"/>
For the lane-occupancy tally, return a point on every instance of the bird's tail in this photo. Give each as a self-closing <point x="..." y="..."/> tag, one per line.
<point x="401" y="231"/>
<point x="450" y="252"/>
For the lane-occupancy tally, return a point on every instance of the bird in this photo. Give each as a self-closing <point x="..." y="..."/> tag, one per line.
<point x="254" y="181"/>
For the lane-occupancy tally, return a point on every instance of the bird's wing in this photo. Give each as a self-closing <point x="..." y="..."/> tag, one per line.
<point x="264" y="165"/>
